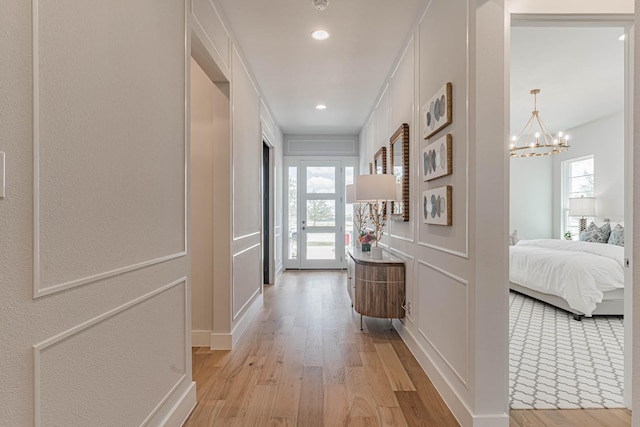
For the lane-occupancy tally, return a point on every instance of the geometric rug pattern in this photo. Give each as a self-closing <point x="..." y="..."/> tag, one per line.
<point x="556" y="362"/>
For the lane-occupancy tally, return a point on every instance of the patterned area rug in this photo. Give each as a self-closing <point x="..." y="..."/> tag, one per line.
<point x="556" y="362"/>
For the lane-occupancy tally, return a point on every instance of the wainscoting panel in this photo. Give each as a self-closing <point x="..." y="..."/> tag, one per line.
<point x="94" y="209"/>
<point x="247" y="273"/>
<point x="146" y="337"/>
<point x="443" y="320"/>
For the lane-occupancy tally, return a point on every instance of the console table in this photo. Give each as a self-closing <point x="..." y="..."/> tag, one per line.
<point x="375" y="286"/>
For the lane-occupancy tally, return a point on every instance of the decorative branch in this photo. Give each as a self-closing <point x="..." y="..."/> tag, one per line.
<point x="378" y="218"/>
<point x="359" y="214"/>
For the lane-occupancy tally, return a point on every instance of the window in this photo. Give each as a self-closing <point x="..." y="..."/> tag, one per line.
<point x="577" y="180"/>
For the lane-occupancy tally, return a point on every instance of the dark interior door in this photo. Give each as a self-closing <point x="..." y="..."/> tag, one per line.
<point x="265" y="211"/>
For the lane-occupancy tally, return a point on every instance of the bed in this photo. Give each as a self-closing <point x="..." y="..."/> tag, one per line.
<point x="583" y="278"/>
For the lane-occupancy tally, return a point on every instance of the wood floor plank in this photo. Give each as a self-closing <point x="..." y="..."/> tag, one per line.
<point x="361" y="402"/>
<point x="310" y="409"/>
<point x="260" y="404"/>
<point x="396" y="373"/>
<point x="363" y="422"/>
<point x="336" y="407"/>
<point x="415" y="412"/>
<point x="391" y="417"/>
<point x="282" y="422"/>
<point x="333" y="371"/>
<point x="205" y="411"/>
<point x="351" y="355"/>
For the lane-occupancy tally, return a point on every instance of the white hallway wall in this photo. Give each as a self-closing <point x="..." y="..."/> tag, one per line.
<point x="604" y="139"/>
<point x="94" y="261"/>
<point x="449" y="327"/>
<point x="251" y="121"/>
<point x="105" y="203"/>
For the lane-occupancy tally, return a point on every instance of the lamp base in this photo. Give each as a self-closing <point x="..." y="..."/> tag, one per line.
<point x="376" y="252"/>
<point x="583" y="224"/>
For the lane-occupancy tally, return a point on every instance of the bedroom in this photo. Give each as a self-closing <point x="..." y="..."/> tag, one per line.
<point x="580" y="71"/>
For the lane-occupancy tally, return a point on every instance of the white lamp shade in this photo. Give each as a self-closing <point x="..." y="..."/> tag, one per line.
<point x="372" y="188"/>
<point x="351" y="193"/>
<point x="582" y="206"/>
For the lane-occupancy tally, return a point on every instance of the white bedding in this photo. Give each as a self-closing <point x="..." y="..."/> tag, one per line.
<point x="577" y="271"/>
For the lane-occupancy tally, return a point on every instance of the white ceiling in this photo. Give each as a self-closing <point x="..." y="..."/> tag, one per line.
<point x="345" y="72"/>
<point x="580" y="72"/>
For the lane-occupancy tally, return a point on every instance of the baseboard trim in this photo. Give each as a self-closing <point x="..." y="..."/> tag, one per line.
<point x="200" y="338"/>
<point x="220" y="341"/>
<point x="182" y="409"/>
<point x="449" y="395"/>
<point x="451" y="398"/>
<point x="243" y="322"/>
<point x="228" y="341"/>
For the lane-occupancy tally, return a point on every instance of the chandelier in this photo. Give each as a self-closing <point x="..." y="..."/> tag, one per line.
<point x="535" y="139"/>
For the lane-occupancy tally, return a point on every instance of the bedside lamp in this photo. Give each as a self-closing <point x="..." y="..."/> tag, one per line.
<point x="582" y="207"/>
<point x="373" y="189"/>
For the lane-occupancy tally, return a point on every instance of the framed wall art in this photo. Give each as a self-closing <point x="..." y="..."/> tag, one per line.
<point x="438" y="111"/>
<point x="437" y="206"/>
<point x="437" y="158"/>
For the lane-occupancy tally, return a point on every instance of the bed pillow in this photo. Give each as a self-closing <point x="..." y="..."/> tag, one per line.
<point x="617" y="236"/>
<point x="596" y="234"/>
<point x="513" y="238"/>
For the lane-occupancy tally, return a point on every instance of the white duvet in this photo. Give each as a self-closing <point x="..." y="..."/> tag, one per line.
<point x="577" y="271"/>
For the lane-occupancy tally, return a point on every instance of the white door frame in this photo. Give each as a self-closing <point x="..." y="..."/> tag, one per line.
<point x="295" y="161"/>
<point x="626" y="22"/>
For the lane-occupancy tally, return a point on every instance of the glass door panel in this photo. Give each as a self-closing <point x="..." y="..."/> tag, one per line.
<point x="321" y="214"/>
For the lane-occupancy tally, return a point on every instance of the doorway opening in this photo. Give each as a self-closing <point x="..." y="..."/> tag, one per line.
<point x="267" y="206"/>
<point x="558" y="361"/>
<point x="318" y="220"/>
<point x="210" y="196"/>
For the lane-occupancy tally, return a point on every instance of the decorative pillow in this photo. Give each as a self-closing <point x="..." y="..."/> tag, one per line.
<point x="617" y="236"/>
<point x="513" y="238"/>
<point x="596" y="234"/>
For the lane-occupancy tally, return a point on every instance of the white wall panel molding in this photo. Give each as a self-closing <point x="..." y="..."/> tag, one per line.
<point x="207" y="19"/>
<point x="249" y="75"/>
<point x="404" y="239"/>
<point x="462" y="376"/>
<point x="246" y="236"/>
<point x="41" y="348"/>
<point x="417" y="151"/>
<point x="409" y="278"/>
<point x="246" y="280"/>
<point x="40" y="286"/>
<point x="321" y="145"/>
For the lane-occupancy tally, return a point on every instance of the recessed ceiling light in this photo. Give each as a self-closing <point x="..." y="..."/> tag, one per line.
<point x="321" y="107"/>
<point x="320" y="35"/>
<point x="622" y="37"/>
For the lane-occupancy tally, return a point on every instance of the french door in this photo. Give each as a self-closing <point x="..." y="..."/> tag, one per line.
<point x="315" y="214"/>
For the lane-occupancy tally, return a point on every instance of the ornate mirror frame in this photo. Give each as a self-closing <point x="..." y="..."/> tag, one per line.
<point x="380" y="161"/>
<point x="399" y="159"/>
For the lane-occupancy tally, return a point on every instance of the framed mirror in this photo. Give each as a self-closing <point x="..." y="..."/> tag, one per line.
<point x="380" y="168"/>
<point x="399" y="158"/>
<point x="380" y="161"/>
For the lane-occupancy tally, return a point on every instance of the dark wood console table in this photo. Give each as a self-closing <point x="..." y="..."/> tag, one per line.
<point x="376" y="286"/>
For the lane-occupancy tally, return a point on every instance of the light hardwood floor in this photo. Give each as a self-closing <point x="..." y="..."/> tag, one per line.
<point x="305" y="362"/>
